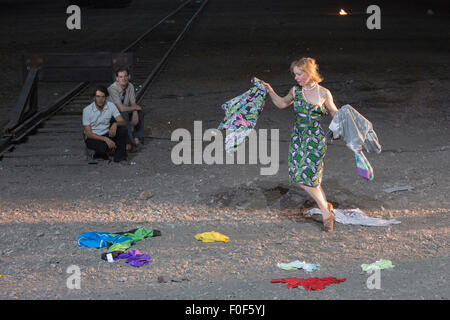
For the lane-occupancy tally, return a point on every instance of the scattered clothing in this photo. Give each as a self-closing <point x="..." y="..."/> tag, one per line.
<point x="308" y="145"/>
<point x="139" y="234"/>
<point x="309" y="267"/>
<point x="102" y="239"/>
<point x="134" y="258"/>
<point x="99" y="239"/>
<point x="310" y="283"/>
<point x="380" y="264"/>
<point x="211" y="237"/>
<point x="121" y="246"/>
<point x="241" y="114"/>
<point x="134" y="235"/>
<point x="116" y="243"/>
<point x="356" y="216"/>
<point x="357" y="132"/>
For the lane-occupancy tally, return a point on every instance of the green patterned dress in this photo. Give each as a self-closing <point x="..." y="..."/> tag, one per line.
<point x="308" y="146"/>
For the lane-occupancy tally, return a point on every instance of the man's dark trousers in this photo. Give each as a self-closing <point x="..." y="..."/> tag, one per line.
<point x="138" y="129"/>
<point x="101" y="148"/>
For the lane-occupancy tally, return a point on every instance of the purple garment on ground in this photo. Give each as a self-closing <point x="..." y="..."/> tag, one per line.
<point x="134" y="257"/>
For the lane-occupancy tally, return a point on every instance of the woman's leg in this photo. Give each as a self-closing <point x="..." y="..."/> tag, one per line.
<point x="323" y="193"/>
<point x="319" y="196"/>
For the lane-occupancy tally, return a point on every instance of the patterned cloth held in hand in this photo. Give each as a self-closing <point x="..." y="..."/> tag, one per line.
<point x="241" y="114"/>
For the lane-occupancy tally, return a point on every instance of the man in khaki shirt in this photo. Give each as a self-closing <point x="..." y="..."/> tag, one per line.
<point x="122" y="94"/>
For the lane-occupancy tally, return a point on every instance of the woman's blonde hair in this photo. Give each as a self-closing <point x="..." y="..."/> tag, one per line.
<point x="309" y="66"/>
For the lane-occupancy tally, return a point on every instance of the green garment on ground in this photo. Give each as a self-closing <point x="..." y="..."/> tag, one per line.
<point x="122" y="246"/>
<point x="380" y="264"/>
<point x="138" y="235"/>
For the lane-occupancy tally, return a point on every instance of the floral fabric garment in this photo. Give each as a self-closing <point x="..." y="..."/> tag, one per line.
<point x="241" y="114"/>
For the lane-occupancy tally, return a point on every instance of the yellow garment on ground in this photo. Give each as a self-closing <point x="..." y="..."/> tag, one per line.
<point x="211" y="237"/>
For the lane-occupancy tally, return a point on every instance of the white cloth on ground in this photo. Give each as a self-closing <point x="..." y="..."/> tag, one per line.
<point x="356" y="216"/>
<point x="309" y="267"/>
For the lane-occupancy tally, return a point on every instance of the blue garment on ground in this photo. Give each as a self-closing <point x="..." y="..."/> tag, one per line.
<point x="309" y="267"/>
<point x="100" y="239"/>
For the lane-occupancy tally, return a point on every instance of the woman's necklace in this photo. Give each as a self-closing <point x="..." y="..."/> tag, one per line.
<point x="313" y="86"/>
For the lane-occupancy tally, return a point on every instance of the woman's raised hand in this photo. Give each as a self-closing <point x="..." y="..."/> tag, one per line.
<point x="267" y="86"/>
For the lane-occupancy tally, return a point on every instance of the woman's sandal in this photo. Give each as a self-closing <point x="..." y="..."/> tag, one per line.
<point x="328" y="224"/>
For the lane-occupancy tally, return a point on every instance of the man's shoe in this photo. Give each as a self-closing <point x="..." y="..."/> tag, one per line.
<point x="122" y="162"/>
<point x="138" y="147"/>
<point x="92" y="160"/>
<point x="133" y="149"/>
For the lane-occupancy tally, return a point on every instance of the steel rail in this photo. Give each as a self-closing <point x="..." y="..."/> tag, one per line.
<point x="135" y="42"/>
<point x="158" y="67"/>
<point x="33" y="122"/>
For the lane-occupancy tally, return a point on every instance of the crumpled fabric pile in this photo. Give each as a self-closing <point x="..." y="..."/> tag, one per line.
<point x="356" y="216"/>
<point x="379" y="265"/>
<point x="134" y="258"/>
<point x="100" y="239"/>
<point x="211" y="236"/>
<point x="314" y="283"/>
<point x="295" y="265"/>
<point x="118" y="243"/>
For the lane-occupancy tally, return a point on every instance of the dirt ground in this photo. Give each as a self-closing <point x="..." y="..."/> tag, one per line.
<point x="397" y="77"/>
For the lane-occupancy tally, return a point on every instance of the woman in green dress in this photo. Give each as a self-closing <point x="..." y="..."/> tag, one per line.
<point x="307" y="146"/>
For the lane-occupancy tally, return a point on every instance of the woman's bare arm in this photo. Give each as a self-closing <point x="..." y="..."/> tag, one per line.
<point x="280" y="102"/>
<point x="329" y="103"/>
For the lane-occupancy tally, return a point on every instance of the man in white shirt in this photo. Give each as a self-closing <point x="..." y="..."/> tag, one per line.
<point x="101" y="133"/>
<point x="122" y="94"/>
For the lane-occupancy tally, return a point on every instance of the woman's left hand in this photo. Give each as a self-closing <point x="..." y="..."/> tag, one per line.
<point x="267" y="86"/>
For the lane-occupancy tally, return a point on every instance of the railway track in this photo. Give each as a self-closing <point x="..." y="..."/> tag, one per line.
<point x="53" y="137"/>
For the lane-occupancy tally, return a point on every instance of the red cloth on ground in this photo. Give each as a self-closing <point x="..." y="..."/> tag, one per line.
<point x="310" y="283"/>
